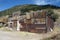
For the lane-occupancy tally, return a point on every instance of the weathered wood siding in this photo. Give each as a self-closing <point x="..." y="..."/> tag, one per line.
<point x="49" y="23"/>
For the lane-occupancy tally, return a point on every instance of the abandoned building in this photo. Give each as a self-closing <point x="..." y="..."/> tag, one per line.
<point x="13" y="20"/>
<point x="34" y="21"/>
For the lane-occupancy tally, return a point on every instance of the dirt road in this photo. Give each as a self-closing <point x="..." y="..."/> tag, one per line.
<point x="17" y="36"/>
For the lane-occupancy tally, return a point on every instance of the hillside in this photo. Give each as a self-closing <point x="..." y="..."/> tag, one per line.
<point x="25" y="8"/>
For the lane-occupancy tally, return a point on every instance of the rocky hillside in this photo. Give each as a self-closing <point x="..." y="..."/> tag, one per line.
<point x="25" y="8"/>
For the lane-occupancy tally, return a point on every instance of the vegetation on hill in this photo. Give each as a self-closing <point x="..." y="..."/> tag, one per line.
<point x="25" y="8"/>
<point x="53" y="15"/>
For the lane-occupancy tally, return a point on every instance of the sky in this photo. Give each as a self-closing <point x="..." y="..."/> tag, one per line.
<point x="6" y="4"/>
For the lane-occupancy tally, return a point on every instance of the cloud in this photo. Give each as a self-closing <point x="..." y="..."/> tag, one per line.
<point x="43" y="2"/>
<point x="40" y="2"/>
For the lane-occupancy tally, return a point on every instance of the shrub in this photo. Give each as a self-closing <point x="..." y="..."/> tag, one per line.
<point x="53" y="15"/>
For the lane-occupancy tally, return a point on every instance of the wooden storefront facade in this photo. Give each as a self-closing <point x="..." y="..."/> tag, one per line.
<point x="38" y="23"/>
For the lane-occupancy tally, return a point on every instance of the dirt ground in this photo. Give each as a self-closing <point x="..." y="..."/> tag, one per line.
<point x="14" y="35"/>
<point x="4" y="35"/>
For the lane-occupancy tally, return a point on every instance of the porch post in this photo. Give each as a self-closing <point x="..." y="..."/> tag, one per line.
<point x="18" y="26"/>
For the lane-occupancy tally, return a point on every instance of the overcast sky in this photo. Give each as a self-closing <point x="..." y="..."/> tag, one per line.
<point x="5" y="4"/>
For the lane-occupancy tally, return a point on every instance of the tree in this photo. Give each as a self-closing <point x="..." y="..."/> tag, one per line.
<point x="53" y="15"/>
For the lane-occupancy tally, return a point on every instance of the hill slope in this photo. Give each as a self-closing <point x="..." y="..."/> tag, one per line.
<point x="25" y="8"/>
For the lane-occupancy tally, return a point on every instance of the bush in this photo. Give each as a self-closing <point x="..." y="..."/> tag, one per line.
<point x="51" y="14"/>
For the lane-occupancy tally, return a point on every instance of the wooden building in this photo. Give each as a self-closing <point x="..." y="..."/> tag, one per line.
<point x="37" y="22"/>
<point x="13" y="21"/>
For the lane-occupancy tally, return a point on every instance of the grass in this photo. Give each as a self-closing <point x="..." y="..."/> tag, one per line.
<point x="54" y="34"/>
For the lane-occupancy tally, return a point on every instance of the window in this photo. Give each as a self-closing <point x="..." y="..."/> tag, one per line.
<point x="38" y="21"/>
